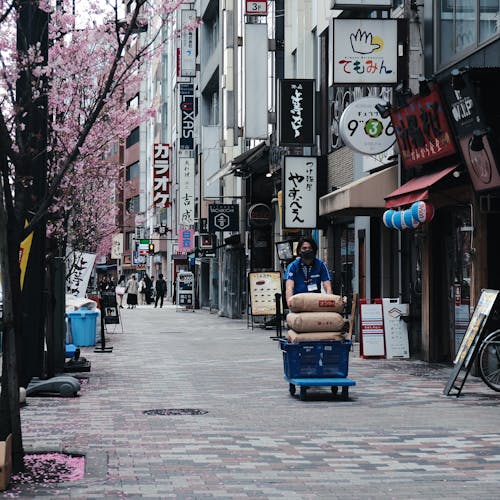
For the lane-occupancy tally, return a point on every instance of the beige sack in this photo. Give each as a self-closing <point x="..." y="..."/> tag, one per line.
<point x="316" y="302"/>
<point x="293" y="336"/>
<point x="306" y="322"/>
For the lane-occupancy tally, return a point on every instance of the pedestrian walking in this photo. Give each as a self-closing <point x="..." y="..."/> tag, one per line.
<point x="307" y="273"/>
<point x="149" y="289"/>
<point x="141" y="298"/>
<point x="132" y="289"/>
<point x="161" y="288"/>
<point x="120" y="290"/>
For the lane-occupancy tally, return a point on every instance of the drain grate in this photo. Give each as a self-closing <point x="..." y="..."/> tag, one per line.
<point x="175" y="411"/>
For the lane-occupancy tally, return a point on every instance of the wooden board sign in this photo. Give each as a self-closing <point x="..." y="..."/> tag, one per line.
<point x="263" y="289"/>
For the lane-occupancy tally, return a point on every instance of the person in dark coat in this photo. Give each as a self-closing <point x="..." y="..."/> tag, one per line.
<point x="149" y="286"/>
<point x="161" y="288"/>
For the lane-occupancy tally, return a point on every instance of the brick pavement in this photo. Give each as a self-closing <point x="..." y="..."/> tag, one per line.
<point x="397" y="436"/>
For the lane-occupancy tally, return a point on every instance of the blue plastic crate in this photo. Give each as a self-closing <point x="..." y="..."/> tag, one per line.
<point x="316" y="359"/>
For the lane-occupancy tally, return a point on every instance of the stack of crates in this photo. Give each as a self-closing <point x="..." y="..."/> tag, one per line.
<point x="325" y="359"/>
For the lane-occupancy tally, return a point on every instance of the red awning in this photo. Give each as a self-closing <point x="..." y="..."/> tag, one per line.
<point x="416" y="189"/>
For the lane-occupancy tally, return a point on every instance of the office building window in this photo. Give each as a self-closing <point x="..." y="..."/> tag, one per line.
<point x="133" y="138"/>
<point x="132" y="204"/>
<point x="132" y="171"/>
<point x="461" y="29"/>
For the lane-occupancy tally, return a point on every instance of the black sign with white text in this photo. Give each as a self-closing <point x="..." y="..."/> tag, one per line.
<point x="223" y="217"/>
<point x="297" y="112"/>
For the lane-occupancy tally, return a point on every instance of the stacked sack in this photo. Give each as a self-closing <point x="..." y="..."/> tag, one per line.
<point x="316" y="316"/>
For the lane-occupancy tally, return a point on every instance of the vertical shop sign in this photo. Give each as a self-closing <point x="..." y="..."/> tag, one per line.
<point x="185" y="239"/>
<point x="80" y="265"/>
<point x="186" y="191"/>
<point x="187" y="49"/>
<point x="186" y="95"/>
<point x="161" y="175"/>
<point x="297" y="112"/>
<point x="422" y="130"/>
<point x="300" y="192"/>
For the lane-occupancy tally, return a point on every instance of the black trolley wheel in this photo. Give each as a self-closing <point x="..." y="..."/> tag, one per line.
<point x="334" y="390"/>
<point x="489" y="360"/>
<point x="345" y="393"/>
<point x="303" y="392"/>
<point x="291" y="389"/>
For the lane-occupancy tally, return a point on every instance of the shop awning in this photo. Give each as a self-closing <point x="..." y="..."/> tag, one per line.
<point x="244" y="164"/>
<point x="364" y="196"/>
<point x="416" y="189"/>
<point x="105" y="267"/>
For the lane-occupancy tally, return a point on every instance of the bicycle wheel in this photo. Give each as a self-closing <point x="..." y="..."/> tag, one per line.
<point x="489" y="360"/>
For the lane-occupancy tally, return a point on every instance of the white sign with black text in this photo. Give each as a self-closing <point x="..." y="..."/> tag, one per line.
<point x="186" y="191"/>
<point x="300" y="200"/>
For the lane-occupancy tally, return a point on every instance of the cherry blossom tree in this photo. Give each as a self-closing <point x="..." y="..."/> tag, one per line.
<point x="64" y="83"/>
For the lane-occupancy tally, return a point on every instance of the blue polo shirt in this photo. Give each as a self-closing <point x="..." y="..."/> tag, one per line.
<point x="304" y="275"/>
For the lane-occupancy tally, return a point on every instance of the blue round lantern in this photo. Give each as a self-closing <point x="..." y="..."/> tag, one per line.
<point x="409" y="220"/>
<point x="397" y="221"/>
<point x="387" y="218"/>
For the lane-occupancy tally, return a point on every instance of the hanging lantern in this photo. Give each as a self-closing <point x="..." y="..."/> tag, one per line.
<point x="397" y="221"/>
<point x="422" y="211"/>
<point x="387" y="218"/>
<point x="409" y="220"/>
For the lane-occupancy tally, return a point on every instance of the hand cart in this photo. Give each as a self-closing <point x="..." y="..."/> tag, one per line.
<point x="317" y="363"/>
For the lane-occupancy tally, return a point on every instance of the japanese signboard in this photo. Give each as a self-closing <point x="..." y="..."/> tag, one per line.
<point x="185" y="240"/>
<point x="364" y="130"/>
<point x="256" y="8"/>
<point x="300" y="200"/>
<point x="365" y="51"/>
<point x="186" y="96"/>
<point x="467" y="118"/>
<point x="422" y="130"/>
<point x="263" y="288"/>
<point x="161" y="175"/>
<point x="223" y="217"/>
<point x="117" y="246"/>
<point x="80" y="265"/>
<point x="187" y="41"/>
<point x="297" y="112"/>
<point x="186" y="191"/>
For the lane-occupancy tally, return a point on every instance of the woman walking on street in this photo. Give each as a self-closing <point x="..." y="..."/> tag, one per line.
<point x="120" y="290"/>
<point x="132" y="290"/>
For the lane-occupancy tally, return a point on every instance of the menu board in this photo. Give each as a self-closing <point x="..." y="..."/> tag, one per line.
<point x="263" y="289"/>
<point x="396" y="330"/>
<point x="372" y="342"/>
<point x="469" y="345"/>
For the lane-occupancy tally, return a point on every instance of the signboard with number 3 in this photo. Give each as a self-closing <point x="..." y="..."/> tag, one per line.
<point x="256" y="8"/>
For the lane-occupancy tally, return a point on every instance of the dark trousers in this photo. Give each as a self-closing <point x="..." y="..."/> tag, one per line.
<point x="159" y="296"/>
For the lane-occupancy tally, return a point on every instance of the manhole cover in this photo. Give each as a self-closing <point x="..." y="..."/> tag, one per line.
<point x="175" y="411"/>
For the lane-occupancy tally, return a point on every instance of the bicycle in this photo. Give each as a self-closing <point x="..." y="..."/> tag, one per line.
<point x="489" y="360"/>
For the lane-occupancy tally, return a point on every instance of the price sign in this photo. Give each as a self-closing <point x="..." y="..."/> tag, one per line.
<point x="258" y="8"/>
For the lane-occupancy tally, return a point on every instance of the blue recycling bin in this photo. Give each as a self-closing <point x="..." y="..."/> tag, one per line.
<point x="83" y="326"/>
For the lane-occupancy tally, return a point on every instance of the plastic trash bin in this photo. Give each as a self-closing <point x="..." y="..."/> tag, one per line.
<point x="83" y="326"/>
